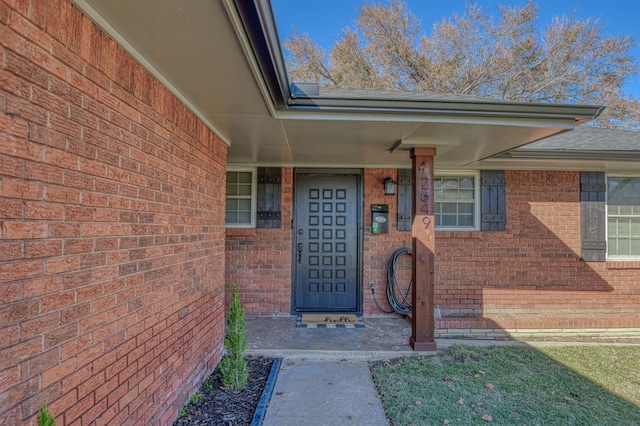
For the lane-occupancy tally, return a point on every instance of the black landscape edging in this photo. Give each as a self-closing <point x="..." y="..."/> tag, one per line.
<point x="261" y="408"/>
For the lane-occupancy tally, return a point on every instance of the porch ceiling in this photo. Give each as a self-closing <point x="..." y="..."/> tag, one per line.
<point x="202" y="52"/>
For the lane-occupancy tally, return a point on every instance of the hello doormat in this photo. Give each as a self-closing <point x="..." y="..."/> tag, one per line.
<point x="329" y="321"/>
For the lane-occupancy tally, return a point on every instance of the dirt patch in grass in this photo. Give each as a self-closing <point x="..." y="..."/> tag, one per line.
<point x="510" y="385"/>
<point x="214" y="405"/>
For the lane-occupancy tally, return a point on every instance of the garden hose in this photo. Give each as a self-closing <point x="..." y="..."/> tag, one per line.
<point x="399" y="301"/>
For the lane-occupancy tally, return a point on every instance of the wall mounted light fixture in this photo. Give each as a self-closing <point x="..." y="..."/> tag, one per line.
<point x="389" y="186"/>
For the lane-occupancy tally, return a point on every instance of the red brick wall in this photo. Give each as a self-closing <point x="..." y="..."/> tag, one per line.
<point x="533" y="267"/>
<point x="111" y="218"/>
<point x="378" y="248"/>
<point x="259" y="261"/>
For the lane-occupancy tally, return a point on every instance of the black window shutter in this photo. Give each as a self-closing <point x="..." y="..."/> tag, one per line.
<point x="592" y="211"/>
<point x="269" y="197"/>
<point x="493" y="203"/>
<point x="404" y="200"/>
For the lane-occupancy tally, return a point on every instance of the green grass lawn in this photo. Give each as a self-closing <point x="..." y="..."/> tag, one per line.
<point x="509" y="385"/>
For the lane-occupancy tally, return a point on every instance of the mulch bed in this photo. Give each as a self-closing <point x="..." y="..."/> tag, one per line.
<point x="219" y="406"/>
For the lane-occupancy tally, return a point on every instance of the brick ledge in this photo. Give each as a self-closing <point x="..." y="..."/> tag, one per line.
<point x="508" y="334"/>
<point x="231" y="232"/>
<point x="623" y="264"/>
<point x="585" y="321"/>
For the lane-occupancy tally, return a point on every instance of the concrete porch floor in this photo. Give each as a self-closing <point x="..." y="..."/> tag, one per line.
<point x="388" y="337"/>
<point x="380" y="338"/>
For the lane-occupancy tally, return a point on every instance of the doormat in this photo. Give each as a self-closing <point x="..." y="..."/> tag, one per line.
<point x="329" y="321"/>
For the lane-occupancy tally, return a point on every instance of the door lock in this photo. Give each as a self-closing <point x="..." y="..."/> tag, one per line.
<point x="300" y="252"/>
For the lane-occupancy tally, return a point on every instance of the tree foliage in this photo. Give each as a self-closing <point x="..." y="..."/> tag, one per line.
<point x="45" y="418"/>
<point x="508" y="57"/>
<point x="234" y="368"/>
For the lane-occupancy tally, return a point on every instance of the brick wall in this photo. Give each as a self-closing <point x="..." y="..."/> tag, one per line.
<point x="533" y="267"/>
<point x="111" y="262"/>
<point x="259" y="261"/>
<point x="378" y="248"/>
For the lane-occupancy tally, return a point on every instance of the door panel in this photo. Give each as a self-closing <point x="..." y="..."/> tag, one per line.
<point x="326" y="243"/>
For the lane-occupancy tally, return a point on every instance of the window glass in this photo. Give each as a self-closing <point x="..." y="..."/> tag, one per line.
<point x="623" y="217"/>
<point x="239" y="203"/>
<point x="455" y="201"/>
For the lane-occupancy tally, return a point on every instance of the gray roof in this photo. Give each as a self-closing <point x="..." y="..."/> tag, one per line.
<point x="400" y="95"/>
<point x="311" y="96"/>
<point x="589" y="139"/>
<point x="333" y="92"/>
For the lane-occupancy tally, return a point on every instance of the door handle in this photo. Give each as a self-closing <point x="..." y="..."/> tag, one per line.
<point x="300" y="252"/>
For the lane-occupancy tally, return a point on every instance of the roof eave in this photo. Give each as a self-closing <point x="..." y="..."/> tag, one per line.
<point x="258" y="25"/>
<point x="527" y="154"/>
<point x="577" y="113"/>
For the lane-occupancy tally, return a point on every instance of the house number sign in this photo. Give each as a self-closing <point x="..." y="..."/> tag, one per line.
<point x="426" y="195"/>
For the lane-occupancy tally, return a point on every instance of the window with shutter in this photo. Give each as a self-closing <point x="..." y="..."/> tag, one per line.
<point x="494" y="208"/>
<point x="461" y="203"/>
<point x="592" y="212"/>
<point x="269" y="197"/>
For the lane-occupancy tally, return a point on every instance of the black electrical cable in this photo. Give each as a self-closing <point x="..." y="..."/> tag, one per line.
<point x="400" y="302"/>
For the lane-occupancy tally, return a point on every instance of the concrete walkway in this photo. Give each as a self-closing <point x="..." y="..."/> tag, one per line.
<point x="324" y="377"/>
<point x="328" y="392"/>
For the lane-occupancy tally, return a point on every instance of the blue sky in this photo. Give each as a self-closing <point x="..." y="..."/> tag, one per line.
<point x="324" y="20"/>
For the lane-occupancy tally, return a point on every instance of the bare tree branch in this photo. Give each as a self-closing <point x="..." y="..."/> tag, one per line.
<point x="505" y="57"/>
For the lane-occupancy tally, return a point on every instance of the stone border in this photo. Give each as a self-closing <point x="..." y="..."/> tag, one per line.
<point x="263" y="403"/>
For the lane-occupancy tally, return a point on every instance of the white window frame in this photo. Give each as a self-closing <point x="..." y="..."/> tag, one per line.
<point x="606" y="216"/>
<point x="476" y="200"/>
<point x="254" y="197"/>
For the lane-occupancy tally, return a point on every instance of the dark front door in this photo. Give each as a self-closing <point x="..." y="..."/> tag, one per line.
<point x="326" y="243"/>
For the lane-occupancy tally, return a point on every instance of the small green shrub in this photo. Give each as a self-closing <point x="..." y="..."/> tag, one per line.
<point x="234" y="369"/>
<point x="195" y="398"/>
<point x="45" y="418"/>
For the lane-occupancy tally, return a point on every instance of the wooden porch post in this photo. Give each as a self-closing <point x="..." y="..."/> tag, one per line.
<point x="424" y="247"/>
